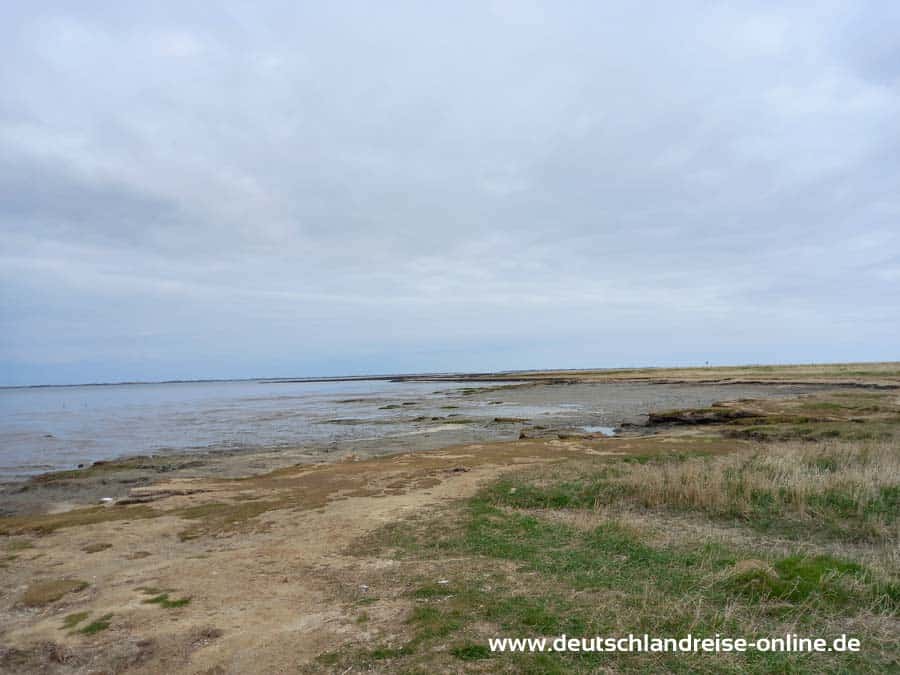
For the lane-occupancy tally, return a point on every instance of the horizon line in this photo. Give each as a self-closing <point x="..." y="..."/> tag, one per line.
<point x="392" y="376"/>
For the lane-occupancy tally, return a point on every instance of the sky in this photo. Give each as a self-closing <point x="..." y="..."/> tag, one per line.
<point x="264" y="189"/>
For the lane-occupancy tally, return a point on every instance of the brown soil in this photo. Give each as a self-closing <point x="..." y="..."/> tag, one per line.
<point x="261" y="574"/>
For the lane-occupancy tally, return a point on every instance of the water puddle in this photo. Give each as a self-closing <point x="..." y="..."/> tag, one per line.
<point x="606" y="431"/>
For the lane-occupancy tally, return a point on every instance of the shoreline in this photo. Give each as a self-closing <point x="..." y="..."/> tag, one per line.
<point x="623" y="403"/>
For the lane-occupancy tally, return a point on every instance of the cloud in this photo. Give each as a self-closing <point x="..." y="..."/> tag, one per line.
<point x="246" y="190"/>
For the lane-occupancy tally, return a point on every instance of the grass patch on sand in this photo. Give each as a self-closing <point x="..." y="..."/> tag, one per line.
<point x="72" y="620"/>
<point x="42" y="593"/>
<point x="162" y="598"/>
<point x="97" y="625"/>
<point x="164" y="601"/>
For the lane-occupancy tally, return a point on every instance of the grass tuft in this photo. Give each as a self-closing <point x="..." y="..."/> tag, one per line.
<point x="97" y="625"/>
<point x="73" y="620"/>
<point x="820" y="580"/>
<point x="471" y="652"/>
<point x="163" y="601"/>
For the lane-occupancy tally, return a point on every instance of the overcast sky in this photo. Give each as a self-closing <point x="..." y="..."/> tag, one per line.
<point x="240" y="189"/>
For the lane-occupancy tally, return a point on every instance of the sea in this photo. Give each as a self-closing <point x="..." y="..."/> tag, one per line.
<point x="59" y="427"/>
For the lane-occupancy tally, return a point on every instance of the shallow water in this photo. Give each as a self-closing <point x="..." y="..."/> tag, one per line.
<point x="50" y="428"/>
<point x="594" y="429"/>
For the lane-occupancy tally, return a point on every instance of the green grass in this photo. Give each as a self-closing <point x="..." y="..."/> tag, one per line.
<point x="820" y="580"/>
<point x="612" y="579"/>
<point x="97" y="625"/>
<point x="163" y="601"/>
<point x="72" y="620"/>
<point x="471" y="652"/>
<point x="381" y="653"/>
<point x="161" y="598"/>
<point x="431" y="623"/>
<point x="612" y="557"/>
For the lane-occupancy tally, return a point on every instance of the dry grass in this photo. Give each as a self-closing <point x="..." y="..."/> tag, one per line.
<point x="44" y="592"/>
<point x="867" y="374"/>
<point x="853" y="487"/>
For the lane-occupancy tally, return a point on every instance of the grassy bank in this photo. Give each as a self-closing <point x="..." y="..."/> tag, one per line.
<point x="845" y="491"/>
<point x="791" y="537"/>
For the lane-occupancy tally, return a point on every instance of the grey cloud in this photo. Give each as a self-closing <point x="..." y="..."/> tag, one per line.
<point x="368" y="188"/>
